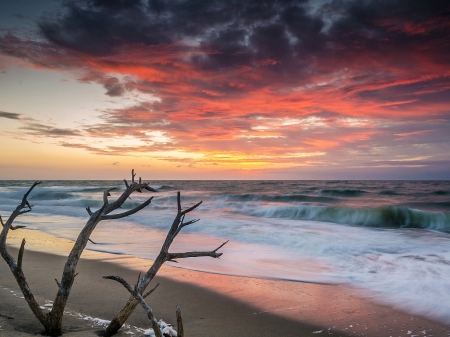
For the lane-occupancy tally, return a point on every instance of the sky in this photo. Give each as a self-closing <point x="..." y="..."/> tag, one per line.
<point x="209" y="89"/>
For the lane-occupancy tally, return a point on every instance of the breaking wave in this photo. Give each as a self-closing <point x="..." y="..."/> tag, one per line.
<point x="383" y="217"/>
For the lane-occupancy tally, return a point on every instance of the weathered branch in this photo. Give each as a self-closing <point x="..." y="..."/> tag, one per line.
<point x="126" y="183"/>
<point x="52" y="321"/>
<point x="127" y="213"/>
<point x="13" y="228"/>
<point x="150" y="291"/>
<point x="92" y="241"/>
<point x="16" y="267"/>
<point x="191" y="208"/>
<point x="19" y="209"/>
<point x="213" y="253"/>
<point x="184" y="224"/>
<point x="106" y="194"/>
<point x="141" y="300"/>
<point x="163" y="256"/>
<point x="132" y="175"/>
<point x="20" y="256"/>
<point x="180" y="330"/>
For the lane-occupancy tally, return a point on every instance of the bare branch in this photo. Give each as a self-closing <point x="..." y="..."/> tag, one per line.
<point x="162" y="257"/>
<point x="132" y="175"/>
<point x="24" y="200"/>
<point x="150" y="291"/>
<point x="213" y="253"/>
<point x="59" y="284"/>
<point x="140" y="181"/>
<point x="223" y="244"/>
<point x="141" y="300"/>
<point x="139" y="278"/>
<point x="191" y="208"/>
<point x="106" y="194"/>
<point x="13" y="228"/>
<point x="92" y="241"/>
<point x="126" y="183"/>
<point x="148" y="188"/>
<point x="18" y="211"/>
<point x="1" y="221"/>
<point x="20" y="256"/>
<point x="127" y="213"/>
<point x="184" y="224"/>
<point x="88" y="209"/>
<point x="180" y="330"/>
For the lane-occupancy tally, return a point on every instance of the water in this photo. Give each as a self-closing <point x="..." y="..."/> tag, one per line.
<point x="389" y="238"/>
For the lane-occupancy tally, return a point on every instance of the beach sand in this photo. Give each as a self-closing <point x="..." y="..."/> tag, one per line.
<point x="211" y="304"/>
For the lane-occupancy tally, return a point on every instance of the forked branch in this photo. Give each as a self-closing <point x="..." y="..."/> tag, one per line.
<point x="172" y="256"/>
<point x="52" y="321"/>
<point x="163" y="256"/>
<point x="140" y="299"/>
<point x="127" y="213"/>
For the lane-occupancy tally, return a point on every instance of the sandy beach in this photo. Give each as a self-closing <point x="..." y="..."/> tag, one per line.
<point x="212" y="304"/>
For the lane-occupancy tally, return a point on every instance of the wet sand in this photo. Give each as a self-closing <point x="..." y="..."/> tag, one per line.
<point x="212" y="304"/>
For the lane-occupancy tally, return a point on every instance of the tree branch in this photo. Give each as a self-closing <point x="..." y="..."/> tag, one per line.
<point x="191" y="208"/>
<point x="127" y="213"/>
<point x="213" y="253"/>
<point x="148" y="188"/>
<point x="88" y="209"/>
<point x="18" y="211"/>
<point x="180" y="330"/>
<point x="150" y="291"/>
<point x="126" y="183"/>
<point x="20" y="256"/>
<point x="106" y="194"/>
<point x="184" y="224"/>
<point x="141" y="300"/>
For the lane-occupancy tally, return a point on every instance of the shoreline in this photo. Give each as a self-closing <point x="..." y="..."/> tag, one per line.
<point x="211" y="304"/>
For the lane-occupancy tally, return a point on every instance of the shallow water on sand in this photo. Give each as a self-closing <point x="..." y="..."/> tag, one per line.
<point x="388" y="237"/>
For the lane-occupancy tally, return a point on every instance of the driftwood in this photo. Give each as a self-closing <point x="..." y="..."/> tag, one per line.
<point x="52" y="321"/>
<point x="141" y="300"/>
<point x="163" y="256"/>
<point x="147" y="308"/>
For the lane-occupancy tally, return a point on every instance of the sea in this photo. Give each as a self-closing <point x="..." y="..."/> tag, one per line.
<point x="388" y="239"/>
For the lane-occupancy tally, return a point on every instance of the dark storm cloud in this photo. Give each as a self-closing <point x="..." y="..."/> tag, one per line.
<point x="283" y="37"/>
<point x="9" y="115"/>
<point x="278" y="77"/>
<point x="96" y="30"/>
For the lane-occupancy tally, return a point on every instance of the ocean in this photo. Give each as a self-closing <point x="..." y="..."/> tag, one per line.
<point x="390" y="239"/>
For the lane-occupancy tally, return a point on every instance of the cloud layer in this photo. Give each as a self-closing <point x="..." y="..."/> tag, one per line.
<point x="266" y="83"/>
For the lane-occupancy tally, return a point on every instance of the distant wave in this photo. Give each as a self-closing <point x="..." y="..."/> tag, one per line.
<point x="441" y="192"/>
<point x="384" y="217"/>
<point x="389" y="192"/>
<point x="162" y="187"/>
<point x="278" y="198"/>
<point x="342" y="192"/>
<point x="51" y="195"/>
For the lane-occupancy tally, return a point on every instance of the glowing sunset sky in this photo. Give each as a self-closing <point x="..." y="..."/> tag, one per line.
<point x="204" y="89"/>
